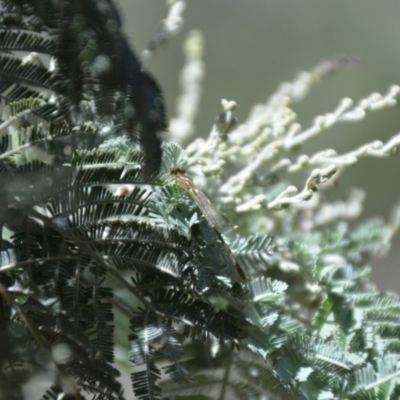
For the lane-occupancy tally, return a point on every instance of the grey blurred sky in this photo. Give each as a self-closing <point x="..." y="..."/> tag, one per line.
<point x="253" y="45"/>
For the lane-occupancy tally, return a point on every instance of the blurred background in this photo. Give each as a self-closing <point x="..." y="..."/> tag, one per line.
<point x="251" y="46"/>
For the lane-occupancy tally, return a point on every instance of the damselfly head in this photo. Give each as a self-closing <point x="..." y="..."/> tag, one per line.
<point x="176" y="171"/>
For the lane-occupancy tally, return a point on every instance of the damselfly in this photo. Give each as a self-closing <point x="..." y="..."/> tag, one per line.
<point x="216" y="221"/>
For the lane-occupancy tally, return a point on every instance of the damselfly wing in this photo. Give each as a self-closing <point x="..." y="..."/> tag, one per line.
<point x="216" y="221"/>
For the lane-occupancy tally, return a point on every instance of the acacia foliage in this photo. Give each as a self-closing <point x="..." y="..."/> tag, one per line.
<point x="93" y="249"/>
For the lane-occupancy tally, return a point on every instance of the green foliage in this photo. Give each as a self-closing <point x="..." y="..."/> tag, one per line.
<point x="96" y="254"/>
